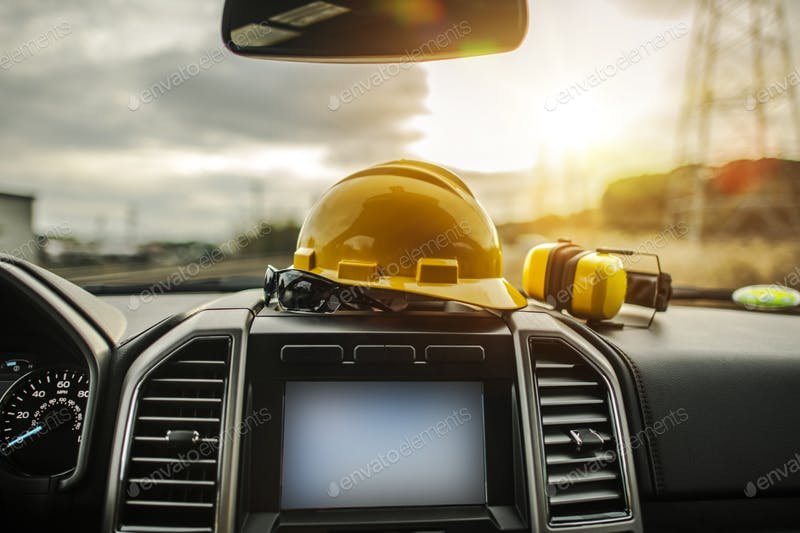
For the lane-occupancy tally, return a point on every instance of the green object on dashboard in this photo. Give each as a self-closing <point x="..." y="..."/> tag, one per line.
<point x="767" y="297"/>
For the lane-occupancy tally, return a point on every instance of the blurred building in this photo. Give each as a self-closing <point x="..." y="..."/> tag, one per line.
<point x="16" y="226"/>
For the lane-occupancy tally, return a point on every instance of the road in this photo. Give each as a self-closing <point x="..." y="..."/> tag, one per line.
<point x="113" y="274"/>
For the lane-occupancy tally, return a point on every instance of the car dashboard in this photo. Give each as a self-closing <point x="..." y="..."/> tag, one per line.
<point x="220" y="413"/>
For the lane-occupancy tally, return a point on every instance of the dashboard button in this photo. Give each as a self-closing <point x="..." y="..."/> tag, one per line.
<point x="380" y="354"/>
<point x="305" y="354"/>
<point x="454" y="354"/>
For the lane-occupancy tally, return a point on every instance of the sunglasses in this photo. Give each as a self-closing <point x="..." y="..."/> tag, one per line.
<point x="298" y="290"/>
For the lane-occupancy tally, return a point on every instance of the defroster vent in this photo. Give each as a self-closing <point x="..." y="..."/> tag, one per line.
<point x="172" y="462"/>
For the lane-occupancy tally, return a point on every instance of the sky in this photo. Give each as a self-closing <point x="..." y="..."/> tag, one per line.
<point x="87" y="127"/>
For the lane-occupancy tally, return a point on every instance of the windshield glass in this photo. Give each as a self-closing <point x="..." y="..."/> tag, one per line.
<point x="137" y="150"/>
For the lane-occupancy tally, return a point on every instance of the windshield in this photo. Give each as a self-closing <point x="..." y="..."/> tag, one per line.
<point x="137" y="150"/>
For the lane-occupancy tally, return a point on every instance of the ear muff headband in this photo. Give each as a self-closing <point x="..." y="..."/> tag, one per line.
<point x="568" y="278"/>
<point x="554" y="276"/>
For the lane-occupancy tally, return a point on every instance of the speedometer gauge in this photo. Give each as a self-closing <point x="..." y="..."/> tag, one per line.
<point x="41" y="418"/>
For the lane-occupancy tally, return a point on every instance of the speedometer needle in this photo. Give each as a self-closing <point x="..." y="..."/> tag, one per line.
<point x="25" y="435"/>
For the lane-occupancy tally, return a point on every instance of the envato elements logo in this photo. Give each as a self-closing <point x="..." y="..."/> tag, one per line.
<point x="29" y="249"/>
<point x="185" y="73"/>
<point x="176" y="79"/>
<point x="791" y="280"/>
<point x="774" y="476"/>
<point x="206" y="448"/>
<point x="50" y="422"/>
<point x="407" y="448"/>
<point x="34" y="46"/>
<point x="386" y="73"/>
<point x="433" y="247"/>
<point x="604" y="458"/>
<point x="192" y="270"/>
<point x="576" y="475"/>
<point x="774" y="90"/>
<point x="666" y="423"/>
<point x="648" y="246"/>
<point x="623" y="62"/>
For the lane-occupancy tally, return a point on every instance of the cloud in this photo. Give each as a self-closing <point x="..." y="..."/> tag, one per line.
<point x="236" y="100"/>
<point x="68" y="133"/>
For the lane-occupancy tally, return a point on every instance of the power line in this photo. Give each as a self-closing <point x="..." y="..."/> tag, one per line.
<point x="740" y="101"/>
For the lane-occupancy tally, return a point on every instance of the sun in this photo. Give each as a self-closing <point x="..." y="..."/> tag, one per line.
<point x="506" y="126"/>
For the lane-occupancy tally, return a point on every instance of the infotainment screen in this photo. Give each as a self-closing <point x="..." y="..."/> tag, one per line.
<point x="382" y="444"/>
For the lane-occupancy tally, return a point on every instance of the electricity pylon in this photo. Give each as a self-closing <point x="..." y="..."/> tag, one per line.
<point x="740" y="98"/>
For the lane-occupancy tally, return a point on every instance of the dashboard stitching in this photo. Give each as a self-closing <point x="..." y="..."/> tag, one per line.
<point x="648" y="416"/>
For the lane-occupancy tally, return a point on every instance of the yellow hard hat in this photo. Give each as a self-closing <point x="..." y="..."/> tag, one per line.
<point x="407" y="226"/>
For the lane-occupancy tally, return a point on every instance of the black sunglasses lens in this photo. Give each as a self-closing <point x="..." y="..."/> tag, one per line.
<point x="300" y="291"/>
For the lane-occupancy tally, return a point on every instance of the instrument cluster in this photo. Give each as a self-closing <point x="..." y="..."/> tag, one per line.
<point x="41" y="417"/>
<point x="44" y="390"/>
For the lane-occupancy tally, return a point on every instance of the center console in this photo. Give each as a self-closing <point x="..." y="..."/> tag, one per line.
<point x="382" y="425"/>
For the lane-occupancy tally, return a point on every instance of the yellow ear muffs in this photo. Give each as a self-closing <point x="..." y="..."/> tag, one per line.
<point x="590" y="285"/>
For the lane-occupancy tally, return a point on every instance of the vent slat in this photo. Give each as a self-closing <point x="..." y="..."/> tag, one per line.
<point x="588" y="477"/>
<point x="166" y="460"/>
<point x="200" y="362"/>
<point x="170" y="483"/>
<point x="556" y="400"/>
<point x="190" y="482"/>
<point x="574" y="420"/>
<point x="550" y="382"/>
<point x="164" y="439"/>
<point x="585" y="497"/>
<point x="551" y="365"/>
<point x="188" y="380"/>
<point x="568" y="458"/>
<point x="179" y="419"/>
<point x="177" y="505"/>
<point x="584" y="476"/>
<point x="555" y="437"/>
<point x="177" y="399"/>
<point x="161" y="529"/>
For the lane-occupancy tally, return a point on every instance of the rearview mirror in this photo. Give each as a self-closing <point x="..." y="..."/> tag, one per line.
<point x="373" y="31"/>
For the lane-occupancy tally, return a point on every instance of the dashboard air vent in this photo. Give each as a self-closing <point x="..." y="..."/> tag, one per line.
<point x="584" y="474"/>
<point x="171" y="470"/>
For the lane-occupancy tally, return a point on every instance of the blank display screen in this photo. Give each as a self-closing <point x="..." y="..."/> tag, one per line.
<point x="382" y="444"/>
